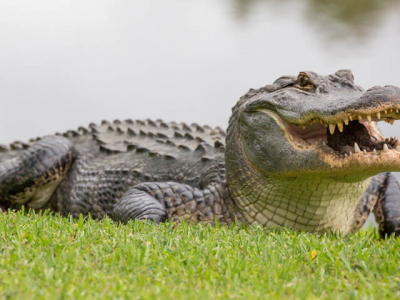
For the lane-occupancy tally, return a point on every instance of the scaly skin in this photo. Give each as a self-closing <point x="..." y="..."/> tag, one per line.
<point x="279" y="165"/>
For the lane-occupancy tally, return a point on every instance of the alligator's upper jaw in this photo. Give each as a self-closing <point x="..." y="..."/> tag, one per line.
<point x="348" y="136"/>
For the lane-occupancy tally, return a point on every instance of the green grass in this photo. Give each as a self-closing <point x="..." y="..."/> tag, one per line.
<point x="45" y="256"/>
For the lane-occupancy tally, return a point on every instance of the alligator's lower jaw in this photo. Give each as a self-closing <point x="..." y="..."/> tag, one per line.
<point x="357" y="143"/>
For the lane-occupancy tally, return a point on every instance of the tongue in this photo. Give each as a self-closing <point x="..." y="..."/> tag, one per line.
<point x="352" y="133"/>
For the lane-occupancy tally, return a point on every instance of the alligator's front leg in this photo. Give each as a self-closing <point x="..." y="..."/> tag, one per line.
<point x="31" y="177"/>
<point x="159" y="201"/>
<point x="383" y="198"/>
<point x="387" y="208"/>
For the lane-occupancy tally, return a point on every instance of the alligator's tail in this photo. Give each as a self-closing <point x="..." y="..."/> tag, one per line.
<point x="29" y="176"/>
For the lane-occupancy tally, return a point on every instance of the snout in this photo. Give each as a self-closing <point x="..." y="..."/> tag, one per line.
<point x="378" y="98"/>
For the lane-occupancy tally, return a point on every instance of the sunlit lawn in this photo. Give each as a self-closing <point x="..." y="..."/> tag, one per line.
<point x="49" y="257"/>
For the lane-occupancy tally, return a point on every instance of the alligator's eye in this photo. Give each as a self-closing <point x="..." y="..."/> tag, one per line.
<point x="304" y="81"/>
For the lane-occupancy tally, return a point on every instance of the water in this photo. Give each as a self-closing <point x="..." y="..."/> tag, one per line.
<point x="68" y="63"/>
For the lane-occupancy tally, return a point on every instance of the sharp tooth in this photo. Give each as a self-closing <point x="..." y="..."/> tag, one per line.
<point x="374" y="151"/>
<point x="369" y="119"/>
<point x="351" y="118"/>
<point x="323" y="143"/>
<point x="378" y="115"/>
<point x="332" y="128"/>
<point x="391" y="110"/>
<point x="359" y="118"/>
<point x="326" y="125"/>
<point x="385" y="111"/>
<point x="365" y="152"/>
<point x="391" y="121"/>
<point x="346" y="121"/>
<point x="385" y="148"/>
<point x="340" y="126"/>
<point x="398" y="148"/>
<point x="350" y="153"/>
<point x="356" y="148"/>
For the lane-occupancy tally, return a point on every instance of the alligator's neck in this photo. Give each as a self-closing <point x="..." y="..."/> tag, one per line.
<point x="312" y="203"/>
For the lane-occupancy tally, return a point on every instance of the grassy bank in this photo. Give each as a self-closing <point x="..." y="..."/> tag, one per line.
<point x="47" y="256"/>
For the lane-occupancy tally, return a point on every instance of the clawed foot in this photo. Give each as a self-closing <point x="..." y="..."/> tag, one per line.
<point x="139" y="205"/>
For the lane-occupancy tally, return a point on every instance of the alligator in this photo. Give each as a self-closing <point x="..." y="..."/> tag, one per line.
<point x="304" y="152"/>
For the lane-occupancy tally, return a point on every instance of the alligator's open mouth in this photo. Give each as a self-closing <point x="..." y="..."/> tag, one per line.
<point x="351" y="133"/>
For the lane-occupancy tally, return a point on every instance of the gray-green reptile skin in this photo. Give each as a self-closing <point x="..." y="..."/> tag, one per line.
<point x="277" y="165"/>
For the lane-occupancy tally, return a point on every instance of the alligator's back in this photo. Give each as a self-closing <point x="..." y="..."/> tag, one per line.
<point x="156" y="138"/>
<point x="153" y="150"/>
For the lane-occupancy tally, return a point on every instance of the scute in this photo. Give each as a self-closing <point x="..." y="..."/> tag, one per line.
<point x="157" y="136"/>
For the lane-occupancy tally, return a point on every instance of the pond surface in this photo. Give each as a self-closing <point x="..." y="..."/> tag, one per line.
<point x="68" y="63"/>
